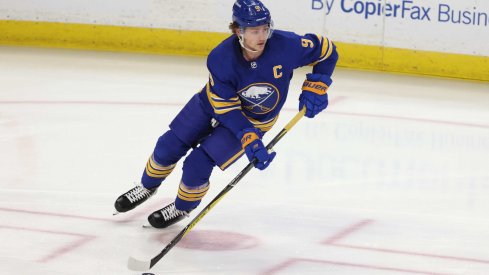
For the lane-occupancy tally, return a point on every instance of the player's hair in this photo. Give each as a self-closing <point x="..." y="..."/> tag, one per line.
<point x="234" y="27"/>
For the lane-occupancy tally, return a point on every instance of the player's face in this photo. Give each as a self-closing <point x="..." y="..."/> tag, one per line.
<point x="255" y="38"/>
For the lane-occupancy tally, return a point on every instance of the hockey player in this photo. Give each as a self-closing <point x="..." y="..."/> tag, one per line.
<point x="249" y="77"/>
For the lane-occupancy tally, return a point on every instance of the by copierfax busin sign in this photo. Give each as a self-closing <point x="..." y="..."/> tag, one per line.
<point x="406" y="9"/>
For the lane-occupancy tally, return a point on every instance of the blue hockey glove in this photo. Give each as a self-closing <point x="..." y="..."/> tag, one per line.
<point x="254" y="148"/>
<point x="314" y="94"/>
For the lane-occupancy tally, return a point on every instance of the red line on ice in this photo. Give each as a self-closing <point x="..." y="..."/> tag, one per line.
<point x="333" y="241"/>
<point x="63" y="249"/>
<point x="53" y="214"/>
<point x="131" y="216"/>
<point x="347" y="231"/>
<point x="283" y="266"/>
<point x="412" y="253"/>
<point x="89" y="102"/>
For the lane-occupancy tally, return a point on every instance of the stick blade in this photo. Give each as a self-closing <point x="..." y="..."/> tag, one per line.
<point x="137" y="265"/>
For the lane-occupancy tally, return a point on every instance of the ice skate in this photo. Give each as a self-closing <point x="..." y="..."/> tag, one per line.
<point x="133" y="198"/>
<point x="167" y="216"/>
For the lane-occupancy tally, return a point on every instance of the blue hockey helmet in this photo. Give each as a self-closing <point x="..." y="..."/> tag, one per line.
<point x="251" y="13"/>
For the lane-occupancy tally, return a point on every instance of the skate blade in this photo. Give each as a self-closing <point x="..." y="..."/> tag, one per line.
<point x="115" y="213"/>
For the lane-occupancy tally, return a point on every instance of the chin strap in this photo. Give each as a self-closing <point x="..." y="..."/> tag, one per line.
<point x="241" y="37"/>
<point x="241" y="42"/>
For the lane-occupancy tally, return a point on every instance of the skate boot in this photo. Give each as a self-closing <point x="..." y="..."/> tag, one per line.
<point x="167" y="216"/>
<point x="133" y="198"/>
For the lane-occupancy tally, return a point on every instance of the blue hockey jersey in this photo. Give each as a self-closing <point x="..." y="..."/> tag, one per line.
<point x="242" y="94"/>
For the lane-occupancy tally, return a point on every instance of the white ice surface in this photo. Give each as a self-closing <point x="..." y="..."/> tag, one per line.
<point x="392" y="179"/>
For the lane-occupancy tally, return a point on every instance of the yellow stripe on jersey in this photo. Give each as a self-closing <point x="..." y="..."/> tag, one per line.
<point x="192" y="194"/>
<point x="221" y="105"/>
<point x="231" y="160"/>
<point x="326" y="49"/>
<point x="156" y="170"/>
<point x="265" y="126"/>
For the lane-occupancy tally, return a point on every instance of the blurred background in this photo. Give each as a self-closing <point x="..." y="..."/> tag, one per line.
<point x="392" y="178"/>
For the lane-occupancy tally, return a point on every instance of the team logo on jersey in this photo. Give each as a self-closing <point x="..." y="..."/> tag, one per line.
<point x="259" y="98"/>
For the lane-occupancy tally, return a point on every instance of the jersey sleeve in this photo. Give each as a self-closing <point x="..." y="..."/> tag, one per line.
<point x="317" y="51"/>
<point x="223" y="98"/>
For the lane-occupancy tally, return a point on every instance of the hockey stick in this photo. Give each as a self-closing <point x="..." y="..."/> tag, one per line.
<point x="138" y="265"/>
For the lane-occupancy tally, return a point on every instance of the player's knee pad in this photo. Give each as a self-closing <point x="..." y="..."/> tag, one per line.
<point x="168" y="150"/>
<point x="197" y="170"/>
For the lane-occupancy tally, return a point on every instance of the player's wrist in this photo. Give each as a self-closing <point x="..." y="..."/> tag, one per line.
<point x="248" y="136"/>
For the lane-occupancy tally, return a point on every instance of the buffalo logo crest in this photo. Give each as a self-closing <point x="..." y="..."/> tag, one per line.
<point x="259" y="98"/>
